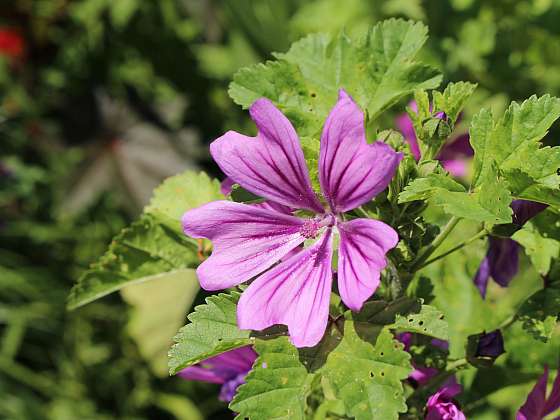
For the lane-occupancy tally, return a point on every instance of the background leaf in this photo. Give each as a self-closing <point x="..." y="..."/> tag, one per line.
<point x="159" y="308"/>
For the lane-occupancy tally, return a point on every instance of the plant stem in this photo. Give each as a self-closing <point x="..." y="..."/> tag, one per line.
<point x="473" y="238"/>
<point x="40" y="383"/>
<point x="361" y="211"/>
<point x="429" y="250"/>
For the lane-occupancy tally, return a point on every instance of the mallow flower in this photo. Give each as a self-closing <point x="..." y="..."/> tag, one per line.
<point x="502" y="259"/>
<point x="537" y="405"/>
<point x="453" y="156"/>
<point x="227" y="369"/>
<point x="249" y="240"/>
<point x="442" y="406"/>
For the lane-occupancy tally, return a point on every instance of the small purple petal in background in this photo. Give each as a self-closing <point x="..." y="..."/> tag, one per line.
<point x="363" y="245"/>
<point x="226" y="186"/>
<point x="228" y="369"/>
<point x="501" y="263"/>
<point x="295" y="293"/>
<point x="453" y="156"/>
<point x="441" y="406"/>
<point x="351" y="171"/>
<point x="270" y="165"/>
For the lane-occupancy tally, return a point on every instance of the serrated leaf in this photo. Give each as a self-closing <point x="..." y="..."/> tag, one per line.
<point x="453" y="98"/>
<point x="490" y="204"/>
<point x="429" y="321"/>
<point x="153" y="246"/>
<point x="524" y="187"/>
<point x="144" y="251"/>
<point x="182" y="192"/>
<point x="539" y="313"/>
<point x="540" y="237"/>
<point x="159" y="308"/>
<point x="366" y="373"/>
<point x="512" y="145"/>
<point x="212" y="330"/>
<point x="278" y="385"/>
<point x="425" y="188"/>
<point x="377" y="71"/>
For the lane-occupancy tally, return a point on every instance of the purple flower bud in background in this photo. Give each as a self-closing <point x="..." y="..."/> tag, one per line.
<point x="502" y="259"/>
<point x="537" y="406"/>
<point x="490" y="344"/>
<point x="441" y="405"/>
<point x="227" y="369"/>
<point x="453" y="156"/>
<point x="524" y="210"/>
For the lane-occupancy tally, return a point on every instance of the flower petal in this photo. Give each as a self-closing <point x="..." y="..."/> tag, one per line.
<point x="295" y="293"/>
<point x="271" y="164"/>
<point x="553" y="401"/>
<point x="503" y="255"/>
<point x="361" y="257"/>
<point x="198" y="373"/>
<point x="352" y="172"/>
<point x="247" y="240"/>
<point x="482" y="276"/>
<point x="534" y="405"/>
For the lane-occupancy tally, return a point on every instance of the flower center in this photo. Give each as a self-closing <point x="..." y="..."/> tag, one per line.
<point x="311" y="227"/>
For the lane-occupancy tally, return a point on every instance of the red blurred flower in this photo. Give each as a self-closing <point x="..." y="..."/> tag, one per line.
<point x="12" y="44"/>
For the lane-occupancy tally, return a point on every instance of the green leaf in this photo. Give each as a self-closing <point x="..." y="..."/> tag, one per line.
<point x="490" y="204"/>
<point x="539" y="313"/>
<point x="146" y="250"/>
<point x="425" y="188"/>
<point x="453" y="98"/>
<point x="365" y="372"/>
<point x="159" y="308"/>
<point x="183" y="192"/>
<point x="429" y="321"/>
<point x="212" y="330"/>
<point x="152" y="247"/>
<point x="523" y="186"/>
<point x="278" y="385"/>
<point x="512" y="145"/>
<point x="376" y="70"/>
<point x="541" y="239"/>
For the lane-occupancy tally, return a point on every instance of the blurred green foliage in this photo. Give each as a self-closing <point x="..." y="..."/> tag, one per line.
<point x="109" y="97"/>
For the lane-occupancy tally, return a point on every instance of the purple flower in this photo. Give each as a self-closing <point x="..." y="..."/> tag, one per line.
<point x="441" y="405"/>
<point x="453" y="156"/>
<point x="227" y="369"/>
<point x="537" y="405"/>
<point x="502" y="259"/>
<point x="421" y="374"/>
<point x="248" y="239"/>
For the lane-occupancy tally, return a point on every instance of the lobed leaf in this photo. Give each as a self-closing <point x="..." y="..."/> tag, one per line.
<point x="144" y="251"/>
<point x="212" y="330"/>
<point x="278" y="385"/>
<point x="377" y="71"/>
<point x="539" y="313"/>
<point x="152" y="247"/>
<point x="453" y="98"/>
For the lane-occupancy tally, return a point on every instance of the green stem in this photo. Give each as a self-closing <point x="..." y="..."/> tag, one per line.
<point x="508" y="322"/>
<point x="28" y="377"/>
<point x="362" y="212"/>
<point x="429" y="250"/>
<point x="473" y="238"/>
